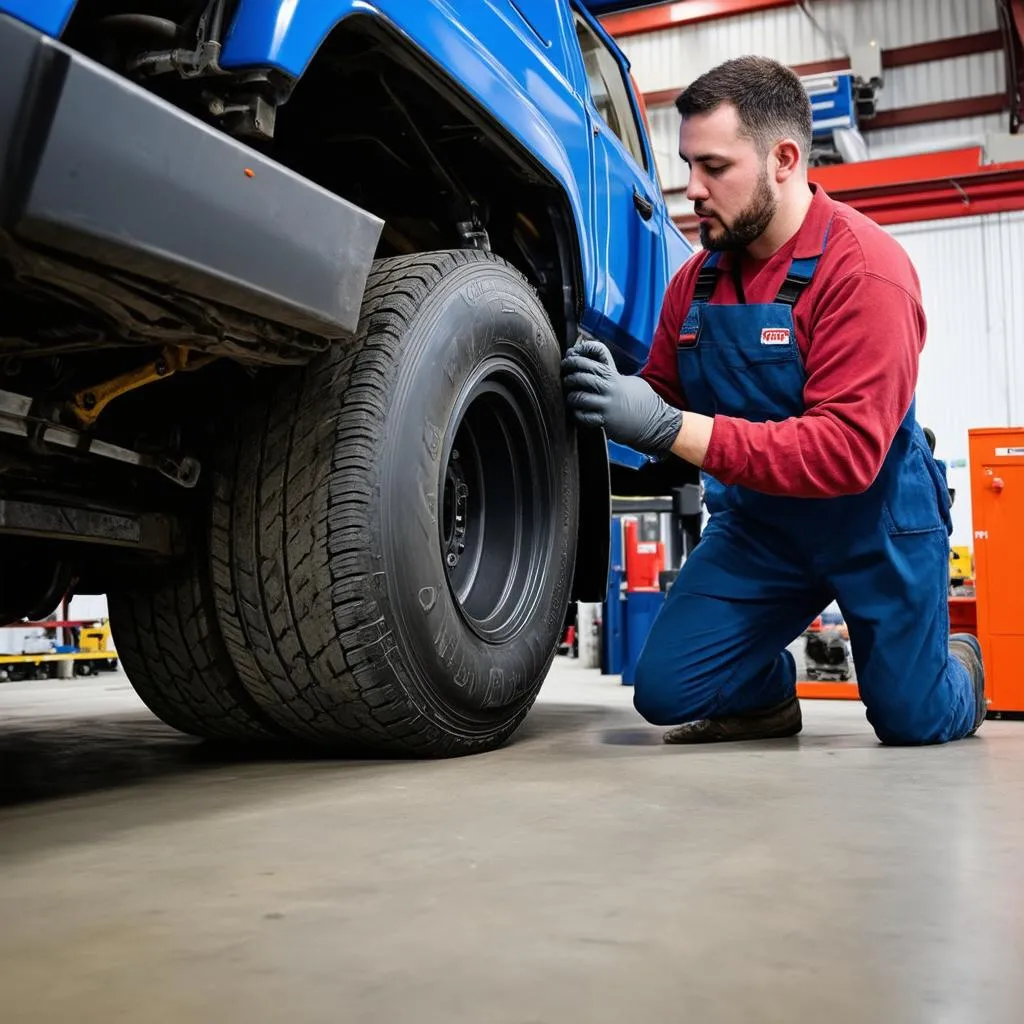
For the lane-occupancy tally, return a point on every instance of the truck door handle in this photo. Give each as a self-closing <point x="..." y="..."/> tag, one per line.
<point x="643" y="205"/>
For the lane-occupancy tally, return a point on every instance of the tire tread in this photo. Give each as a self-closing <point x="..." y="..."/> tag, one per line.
<point x="272" y="545"/>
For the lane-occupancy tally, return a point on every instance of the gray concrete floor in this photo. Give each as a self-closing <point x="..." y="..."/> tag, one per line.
<point x="584" y="873"/>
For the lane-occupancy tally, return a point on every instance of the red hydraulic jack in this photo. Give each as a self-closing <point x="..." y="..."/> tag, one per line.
<point x="645" y="559"/>
<point x="649" y="538"/>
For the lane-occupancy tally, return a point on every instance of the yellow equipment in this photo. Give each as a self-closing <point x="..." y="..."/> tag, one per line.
<point x="93" y="653"/>
<point x="96" y="639"/>
<point x="961" y="564"/>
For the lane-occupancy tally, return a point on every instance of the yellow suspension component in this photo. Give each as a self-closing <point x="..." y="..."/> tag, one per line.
<point x="87" y="404"/>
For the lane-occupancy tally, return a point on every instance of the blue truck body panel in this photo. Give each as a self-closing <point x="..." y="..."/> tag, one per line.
<point x="522" y="62"/>
<point x="49" y="16"/>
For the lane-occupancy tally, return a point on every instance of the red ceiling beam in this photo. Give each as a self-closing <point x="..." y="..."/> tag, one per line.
<point x="683" y="12"/>
<point x="946" y="110"/>
<point x="942" y="49"/>
<point x="931" y="186"/>
<point x="662" y="97"/>
<point x="905" y="174"/>
<point x="934" y="205"/>
<point x="898" y="171"/>
<point x="897" y="57"/>
<point x="943" y="203"/>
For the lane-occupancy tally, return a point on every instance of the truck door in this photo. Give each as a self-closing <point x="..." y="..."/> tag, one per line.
<point x="628" y="215"/>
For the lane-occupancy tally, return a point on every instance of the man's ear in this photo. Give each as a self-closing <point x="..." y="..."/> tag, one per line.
<point x="787" y="159"/>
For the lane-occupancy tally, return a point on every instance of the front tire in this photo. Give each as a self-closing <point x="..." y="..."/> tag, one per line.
<point x="397" y="532"/>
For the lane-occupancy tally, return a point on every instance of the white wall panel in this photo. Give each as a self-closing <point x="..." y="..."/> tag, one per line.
<point x="664" y="60"/>
<point x="980" y="74"/>
<point x="1006" y="302"/>
<point x="665" y="142"/>
<point x="903" y="22"/>
<point x="88" y="607"/>
<point x="972" y="367"/>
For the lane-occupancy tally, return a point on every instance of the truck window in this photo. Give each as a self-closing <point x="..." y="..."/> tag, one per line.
<point x="608" y="89"/>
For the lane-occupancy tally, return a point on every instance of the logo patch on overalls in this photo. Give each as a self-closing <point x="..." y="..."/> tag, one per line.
<point x="774" y="335"/>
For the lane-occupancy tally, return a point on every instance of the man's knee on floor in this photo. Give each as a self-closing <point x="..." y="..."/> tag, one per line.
<point x="907" y="723"/>
<point x="664" y="695"/>
<point x="903" y="733"/>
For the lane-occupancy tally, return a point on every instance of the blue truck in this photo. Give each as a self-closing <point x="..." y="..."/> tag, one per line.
<point x="285" y="287"/>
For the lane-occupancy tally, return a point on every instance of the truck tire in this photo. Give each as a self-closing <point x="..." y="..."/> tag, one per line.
<point x="394" y="540"/>
<point x="166" y="636"/>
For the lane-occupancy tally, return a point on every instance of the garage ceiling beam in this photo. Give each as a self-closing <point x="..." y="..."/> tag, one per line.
<point x="942" y="194"/>
<point x="903" y="173"/>
<point x="930" y="186"/>
<point x="897" y="57"/>
<point x="944" y="110"/>
<point x="683" y="12"/>
<point x="942" y="49"/>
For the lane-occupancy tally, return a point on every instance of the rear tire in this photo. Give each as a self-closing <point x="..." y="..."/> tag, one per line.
<point x="394" y="542"/>
<point x="168" y="642"/>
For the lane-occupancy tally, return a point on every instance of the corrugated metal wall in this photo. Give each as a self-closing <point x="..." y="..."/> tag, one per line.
<point x="670" y="59"/>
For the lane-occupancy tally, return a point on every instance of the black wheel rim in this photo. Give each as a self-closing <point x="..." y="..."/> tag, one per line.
<point x="496" y="497"/>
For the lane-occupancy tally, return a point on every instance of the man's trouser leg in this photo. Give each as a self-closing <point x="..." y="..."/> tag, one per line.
<point x="895" y="600"/>
<point x="718" y="646"/>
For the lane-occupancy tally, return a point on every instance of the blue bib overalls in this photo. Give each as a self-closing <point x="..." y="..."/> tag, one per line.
<point x="766" y="566"/>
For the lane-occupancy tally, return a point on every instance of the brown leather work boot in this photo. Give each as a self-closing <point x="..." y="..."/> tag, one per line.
<point x="966" y="649"/>
<point x="769" y="723"/>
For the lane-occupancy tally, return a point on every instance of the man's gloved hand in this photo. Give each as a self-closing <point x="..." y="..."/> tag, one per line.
<point x="628" y="408"/>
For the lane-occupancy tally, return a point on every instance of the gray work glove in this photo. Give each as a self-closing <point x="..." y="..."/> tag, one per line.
<point x="628" y="408"/>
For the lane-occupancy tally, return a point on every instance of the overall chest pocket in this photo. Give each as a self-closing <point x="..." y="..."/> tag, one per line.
<point x="760" y="347"/>
<point x="753" y="380"/>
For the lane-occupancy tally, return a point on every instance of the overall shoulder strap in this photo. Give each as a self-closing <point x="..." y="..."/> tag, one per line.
<point x="707" y="278"/>
<point x="799" y="275"/>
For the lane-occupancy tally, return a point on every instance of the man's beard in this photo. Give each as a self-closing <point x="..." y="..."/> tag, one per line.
<point x="749" y="225"/>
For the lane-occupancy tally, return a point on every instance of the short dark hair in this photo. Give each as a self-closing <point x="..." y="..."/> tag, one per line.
<point x="769" y="98"/>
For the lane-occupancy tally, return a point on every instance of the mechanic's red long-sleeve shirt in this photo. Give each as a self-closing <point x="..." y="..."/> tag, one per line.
<point x="860" y="327"/>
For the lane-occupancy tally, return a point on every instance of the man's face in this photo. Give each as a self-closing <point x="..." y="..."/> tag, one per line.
<point x="730" y="187"/>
